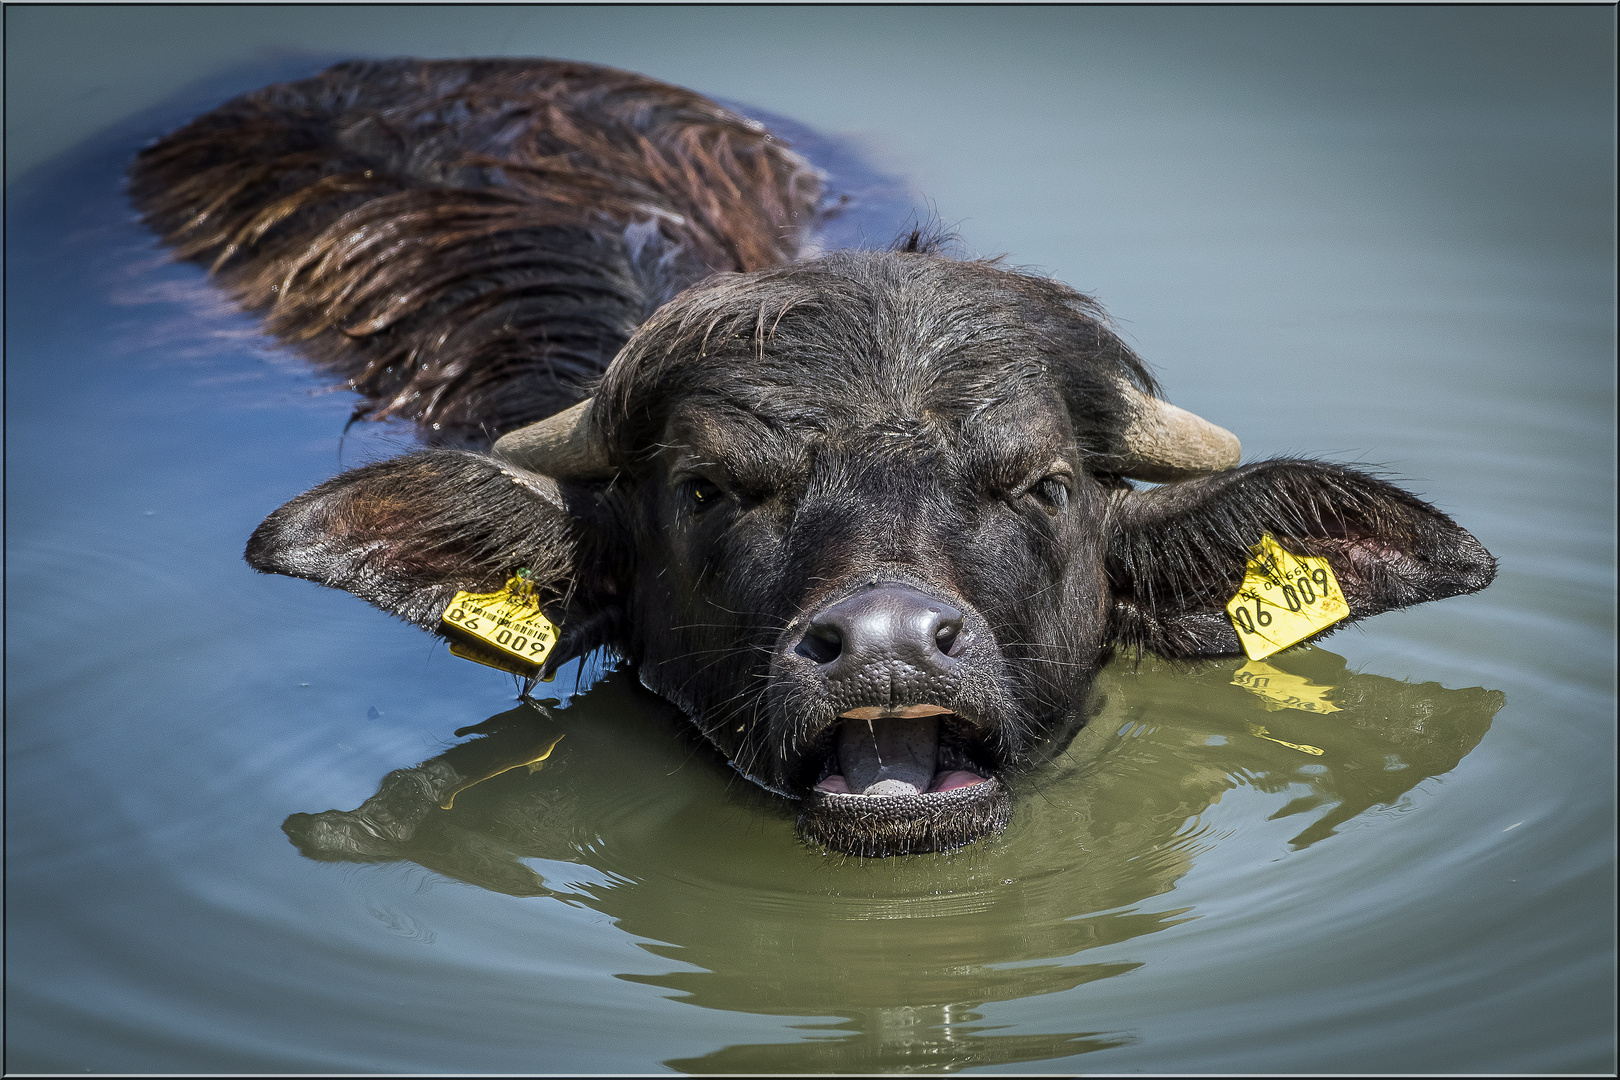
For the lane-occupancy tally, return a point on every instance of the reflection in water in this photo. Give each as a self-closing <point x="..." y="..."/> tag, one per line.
<point x="704" y="870"/>
<point x="1280" y="690"/>
<point x="933" y="1038"/>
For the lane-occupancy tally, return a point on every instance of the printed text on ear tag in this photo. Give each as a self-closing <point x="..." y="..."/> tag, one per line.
<point x="1284" y="598"/>
<point x="504" y="629"/>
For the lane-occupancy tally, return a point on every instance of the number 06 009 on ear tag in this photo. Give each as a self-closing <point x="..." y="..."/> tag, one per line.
<point x="508" y="621"/>
<point x="1284" y="599"/>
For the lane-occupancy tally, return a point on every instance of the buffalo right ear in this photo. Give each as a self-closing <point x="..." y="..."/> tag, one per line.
<point x="1177" y="553"/>
<point x="408" y="533"/>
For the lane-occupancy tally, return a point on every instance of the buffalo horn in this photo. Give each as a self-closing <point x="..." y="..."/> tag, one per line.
<point x="566" y="446"/>
<point x="1164" y="443"/>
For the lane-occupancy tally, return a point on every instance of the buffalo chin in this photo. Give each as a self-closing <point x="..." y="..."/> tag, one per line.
<point x="879" y="826"/>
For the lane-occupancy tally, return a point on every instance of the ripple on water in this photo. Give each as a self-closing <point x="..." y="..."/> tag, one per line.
<point x="1396" y="893"/>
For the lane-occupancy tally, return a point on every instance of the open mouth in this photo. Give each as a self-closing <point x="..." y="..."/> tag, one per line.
<point x="882" y="753"/>
<point x="899" y="781"/>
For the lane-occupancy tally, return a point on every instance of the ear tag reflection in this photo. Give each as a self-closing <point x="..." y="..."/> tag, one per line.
<point x="1259" y="732"/>
<point x="1280" y="690"/>
<point x="533" y="763"/>
<point x="1284" y="599"/>
<point x="504" y="629"/>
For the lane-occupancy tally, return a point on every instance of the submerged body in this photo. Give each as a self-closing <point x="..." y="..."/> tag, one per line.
<point x="867" y="518"/>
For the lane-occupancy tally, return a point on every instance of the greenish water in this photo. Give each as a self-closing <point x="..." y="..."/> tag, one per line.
<point x="1373" y="234"/>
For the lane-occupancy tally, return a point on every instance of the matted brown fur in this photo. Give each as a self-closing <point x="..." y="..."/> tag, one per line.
<point x="469" y="242"/>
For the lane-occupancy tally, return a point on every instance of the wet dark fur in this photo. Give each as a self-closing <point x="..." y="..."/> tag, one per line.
<point x="784" y="433"/>
<point x="469" y="242"/>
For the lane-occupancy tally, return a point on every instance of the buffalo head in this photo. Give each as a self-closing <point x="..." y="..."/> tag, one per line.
<point x="868" y="520"/>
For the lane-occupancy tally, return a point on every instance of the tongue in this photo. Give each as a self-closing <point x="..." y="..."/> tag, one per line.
<point x="894" y="755"/>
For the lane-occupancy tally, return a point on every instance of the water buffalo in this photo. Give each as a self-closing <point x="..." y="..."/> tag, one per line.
<point x="866" y="517"/>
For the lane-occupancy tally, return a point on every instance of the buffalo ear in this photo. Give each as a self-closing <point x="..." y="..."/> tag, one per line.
<point x="408" y="533"/>
<point x="1176" y="554"/>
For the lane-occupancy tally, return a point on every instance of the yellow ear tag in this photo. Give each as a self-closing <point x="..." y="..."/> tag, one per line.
<point x="1284" y="598"/>
<point x="504" y="629"/>
<point x="1281" y="690"/>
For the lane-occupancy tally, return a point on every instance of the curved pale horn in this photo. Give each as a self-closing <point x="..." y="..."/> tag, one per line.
<point x="566" y="446"/>
<point x="1164" y="443"/>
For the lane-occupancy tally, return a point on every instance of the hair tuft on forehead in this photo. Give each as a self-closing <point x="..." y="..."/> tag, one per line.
<point x="848" y="326"/>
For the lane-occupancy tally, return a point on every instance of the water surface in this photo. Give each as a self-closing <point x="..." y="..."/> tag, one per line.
<point x="1376" y="235"/>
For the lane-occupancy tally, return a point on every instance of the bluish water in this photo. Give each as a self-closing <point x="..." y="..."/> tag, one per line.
<point x="1370" y="234"/>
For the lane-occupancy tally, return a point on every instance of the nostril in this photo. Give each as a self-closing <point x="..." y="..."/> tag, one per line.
<point x="821" y="643"/>
<point x="945" y="637"/>
<point x="893" y="627"/>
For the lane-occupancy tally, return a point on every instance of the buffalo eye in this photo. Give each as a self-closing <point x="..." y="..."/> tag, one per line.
<point x="1051" y="492"/>
<point x="703" y="495"/>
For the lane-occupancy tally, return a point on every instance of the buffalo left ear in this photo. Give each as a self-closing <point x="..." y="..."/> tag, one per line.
<point x="408" y="533"/>
<point x="1176" y="554"/>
